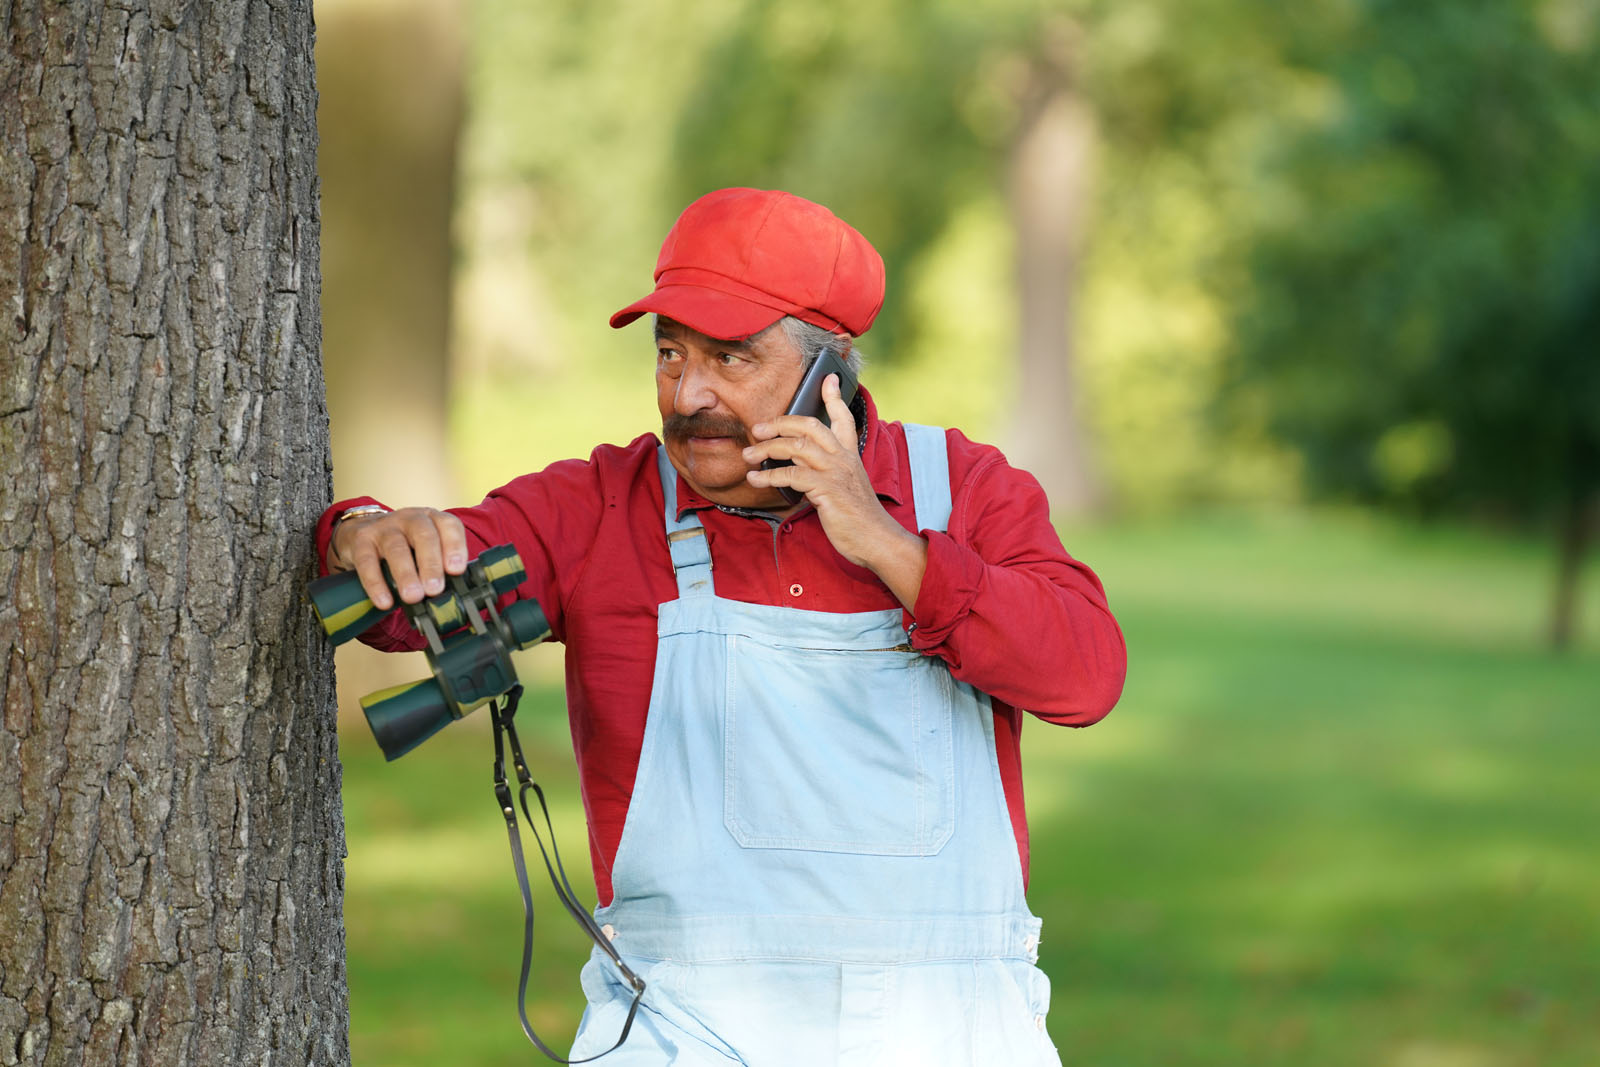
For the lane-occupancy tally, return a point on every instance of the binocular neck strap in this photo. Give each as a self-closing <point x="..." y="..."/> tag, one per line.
<point x="502" y="711"/>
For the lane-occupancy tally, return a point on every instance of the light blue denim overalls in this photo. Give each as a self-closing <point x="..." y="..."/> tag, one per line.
<point x="817" y="866"/>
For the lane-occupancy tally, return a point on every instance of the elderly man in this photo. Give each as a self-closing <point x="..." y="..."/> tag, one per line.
<point x="796" y="725"/>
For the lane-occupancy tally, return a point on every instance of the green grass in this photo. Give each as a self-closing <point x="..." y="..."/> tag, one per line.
<point x="1346" y="813"/>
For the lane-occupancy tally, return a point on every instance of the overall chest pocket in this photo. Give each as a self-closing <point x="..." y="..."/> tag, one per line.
<point x="833" y="750"/>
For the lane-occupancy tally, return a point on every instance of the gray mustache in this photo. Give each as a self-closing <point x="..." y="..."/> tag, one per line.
<point x="681" y="427"/>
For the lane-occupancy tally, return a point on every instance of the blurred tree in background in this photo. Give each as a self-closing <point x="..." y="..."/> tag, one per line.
<point x="901" y="114"/>
<point x="390" y="109"/>
<point x="926" y="126"/>
<point x="1420" y="310"/>
<point x="897" y="114"/>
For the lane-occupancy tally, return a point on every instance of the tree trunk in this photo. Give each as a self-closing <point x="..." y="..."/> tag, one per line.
<point x="1579" y="518"/>
<point x="1050" y="168"/>
<point x="170" y="827"/>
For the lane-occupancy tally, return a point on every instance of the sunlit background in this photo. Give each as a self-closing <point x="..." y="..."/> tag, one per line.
<point x="1295" y="309"/>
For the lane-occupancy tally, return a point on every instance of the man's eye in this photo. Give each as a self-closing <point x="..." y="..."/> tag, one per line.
<point x="727" y="359"/>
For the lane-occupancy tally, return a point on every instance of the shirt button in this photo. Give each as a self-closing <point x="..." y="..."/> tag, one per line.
<point x="610" y="932"/>
<point x="1038" y="1023"/>
<point x="795" y="589"/>
<point x="1030" y="943"/>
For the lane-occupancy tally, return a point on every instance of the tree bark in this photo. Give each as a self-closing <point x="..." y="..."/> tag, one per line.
<point x="1048" y="184"/>
<point x="170" y="826"/>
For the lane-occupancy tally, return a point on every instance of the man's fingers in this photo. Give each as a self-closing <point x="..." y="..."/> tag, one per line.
<point x="426" y="550"/>
<point x="843" y="422"/>
<point x="420" y="545"/>
<point x="356" y="542"/>
<point x="395" y="550"/>
<point x="453" y="540"/>
<point x="797" y="478"/>
<point x="821" y="455"/>
<point x="370" y="570"/>
<point x="787" y="427"/>
<point x="783" y="448"/>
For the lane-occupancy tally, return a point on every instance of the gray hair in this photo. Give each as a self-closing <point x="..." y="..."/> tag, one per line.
<point x="811" y="340"/>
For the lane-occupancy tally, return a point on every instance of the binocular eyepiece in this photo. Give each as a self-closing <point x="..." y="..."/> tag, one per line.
<point x="470" y="641"/>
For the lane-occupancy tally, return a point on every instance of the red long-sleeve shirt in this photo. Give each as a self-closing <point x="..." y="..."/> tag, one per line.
<point x="1001" y="600"/>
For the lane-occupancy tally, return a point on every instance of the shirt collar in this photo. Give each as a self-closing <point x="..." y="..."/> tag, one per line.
<point x="879" y="456"/>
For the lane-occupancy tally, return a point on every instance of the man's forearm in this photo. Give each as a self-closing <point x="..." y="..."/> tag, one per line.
<point x="899" y="559"/>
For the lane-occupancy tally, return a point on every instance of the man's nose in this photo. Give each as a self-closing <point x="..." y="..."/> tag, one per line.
<point x="695" y="391"/>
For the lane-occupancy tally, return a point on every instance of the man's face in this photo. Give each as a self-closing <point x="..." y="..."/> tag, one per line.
<point x="710" y="393"/>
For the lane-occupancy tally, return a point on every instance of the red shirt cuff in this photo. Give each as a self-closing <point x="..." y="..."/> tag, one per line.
<point x="950" y="584"/>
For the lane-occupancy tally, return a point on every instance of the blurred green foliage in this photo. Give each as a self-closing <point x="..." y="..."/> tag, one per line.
<point x="597" y="122"/>
<point x="1421" y="306"/>
<point x="1374" y="219"/>
<point x="1344" y="814"/>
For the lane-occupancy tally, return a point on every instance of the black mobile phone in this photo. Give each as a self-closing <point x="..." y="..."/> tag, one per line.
<point x="808" y="401"/>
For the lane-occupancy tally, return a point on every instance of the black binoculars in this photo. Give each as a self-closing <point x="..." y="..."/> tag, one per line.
<point x="469" y="644"/>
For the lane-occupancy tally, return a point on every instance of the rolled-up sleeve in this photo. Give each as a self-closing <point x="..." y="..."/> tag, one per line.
<point x="1005" y="605"/>
<point x="549" y="517"/>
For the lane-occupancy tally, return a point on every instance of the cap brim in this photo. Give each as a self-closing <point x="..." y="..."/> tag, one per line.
<point x="708" y="311"/>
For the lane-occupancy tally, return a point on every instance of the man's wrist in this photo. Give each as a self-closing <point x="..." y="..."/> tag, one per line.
<point x="899" y="559"/>
<point x="336" y="558"/>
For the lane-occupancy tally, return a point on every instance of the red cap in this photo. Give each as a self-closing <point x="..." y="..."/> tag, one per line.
<point x="738" y="260"/>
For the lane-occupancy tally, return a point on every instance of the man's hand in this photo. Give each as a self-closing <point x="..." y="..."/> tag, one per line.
<point x="827" y="469"/>
<point x="420" y="545"/>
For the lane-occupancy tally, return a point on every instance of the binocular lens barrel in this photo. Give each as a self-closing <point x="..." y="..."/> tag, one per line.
<point x="345" y="611"/>
<point x="404" y="716"/>
<point x="503" y="568"/>
<point x="343" y="607"/>
<point x="527" y="622"/>
<point x="474" y="664"/>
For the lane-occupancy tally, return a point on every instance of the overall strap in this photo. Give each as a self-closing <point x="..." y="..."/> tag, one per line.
<point x="686" y="538"/>
<point x="930" y="476"/>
